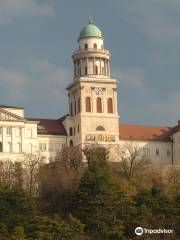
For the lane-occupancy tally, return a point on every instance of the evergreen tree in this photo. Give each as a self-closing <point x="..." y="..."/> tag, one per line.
<point x="3" y="232"/>
<point x="97" y="199"/>
<point x="18" y="234"/>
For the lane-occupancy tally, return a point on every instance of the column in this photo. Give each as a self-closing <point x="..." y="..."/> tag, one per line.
<point x="13" y="140"/>
<point x="115" y="101"/>
<point x="100" y="67"/>
<point x="23" y="139"/>
<point x="93" y="65"/>
<point x="80" y="67"/>
<point x="4" y="138"/>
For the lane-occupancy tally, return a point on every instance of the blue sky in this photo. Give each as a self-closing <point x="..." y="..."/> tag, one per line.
<point x="37" y="38"/>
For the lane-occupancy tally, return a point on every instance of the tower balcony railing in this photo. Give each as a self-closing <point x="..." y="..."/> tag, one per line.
<point x="96" y="50"/>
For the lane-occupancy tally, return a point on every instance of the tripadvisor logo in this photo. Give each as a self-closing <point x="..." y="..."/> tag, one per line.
<point x="139" y="231"/>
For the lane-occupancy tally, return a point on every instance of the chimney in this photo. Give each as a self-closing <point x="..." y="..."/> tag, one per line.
<point x="178" y="122"/>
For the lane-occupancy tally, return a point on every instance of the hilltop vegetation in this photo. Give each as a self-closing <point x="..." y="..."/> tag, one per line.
<point x="70" y="201"/>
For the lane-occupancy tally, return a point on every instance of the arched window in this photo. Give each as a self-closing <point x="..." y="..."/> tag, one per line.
<point x="71" y="109"/>
<point x="1" y="147"/>
<point x="86" y="72"/>
<point x="100" y="128"/>
<point x="99" y="105"/>
<point x="71" y="143"/>
<point x="110" y="105"/>
<point x="85" y="46"/>
<point x="70" y="131"/>
<point x="96" y="69"/>
<point x="88" y="104"/>
<point x="95" y="45"/>
<point x="79" y="105"/>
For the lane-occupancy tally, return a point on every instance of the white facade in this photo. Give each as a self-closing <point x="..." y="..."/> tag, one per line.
<point x="93" y="116"/>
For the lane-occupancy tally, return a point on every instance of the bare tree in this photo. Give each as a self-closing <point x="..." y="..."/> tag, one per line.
<point x="32" y="163"/>
<point x="131" y="163"/>
<point x="71" y="157"/>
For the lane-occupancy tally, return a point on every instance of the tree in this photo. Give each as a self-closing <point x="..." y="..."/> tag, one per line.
<point x="97" y="199"/>
<point x="15" y="207"/>
<point x="4" y="235"/>
<point x="32" y="163"/>
<point x="18" y="234"/>
<point x="130" y="162"/>
<point x="46" y="228"/>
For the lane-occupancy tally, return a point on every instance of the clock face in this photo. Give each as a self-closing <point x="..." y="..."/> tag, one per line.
<point x="99" y="91"/>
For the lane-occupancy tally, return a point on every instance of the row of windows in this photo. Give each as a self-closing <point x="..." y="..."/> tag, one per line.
<point x="51" y="147"/>
<point x="94" y="46"/>
<point x="17" y="132"/>
<point x="147" y="152"/>
<point x="96" y="71"/>
<point x="99" y="105"/>
<point x="18" y="147"/>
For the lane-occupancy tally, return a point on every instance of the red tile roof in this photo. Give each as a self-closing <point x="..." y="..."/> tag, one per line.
<point x="50" y="126"/>
<point x="140" y="132"/>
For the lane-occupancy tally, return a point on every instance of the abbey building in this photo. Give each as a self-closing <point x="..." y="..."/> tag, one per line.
<point x="92" y="116"/>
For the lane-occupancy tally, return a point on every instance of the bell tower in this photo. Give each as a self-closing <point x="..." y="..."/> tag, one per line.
<point x="93" y="112"/>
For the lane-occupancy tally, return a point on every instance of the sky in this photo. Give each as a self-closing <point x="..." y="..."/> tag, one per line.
<point x="38" y="37"/>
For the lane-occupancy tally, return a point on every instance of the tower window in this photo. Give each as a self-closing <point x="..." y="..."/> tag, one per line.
<point x="96" y="69"/>
<point x="88" y="104"/>
<point x="110" y="105"/>
<point x="71" y="143"/>
<point x="1" y="147"/>
<point x="100" y="128"/>
<point x="71" y="109"/>
<point x="75" y="107"/>
<point x="95" y="45"/>
<point x="86" y="72"/>
<point x="99" y="105"/>
<point x="79" y="105"/>
<point x="70" y="131"/>
<point x="85" y="46"/>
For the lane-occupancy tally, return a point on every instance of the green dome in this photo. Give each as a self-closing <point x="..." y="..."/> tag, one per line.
<point x="91" y="30"/>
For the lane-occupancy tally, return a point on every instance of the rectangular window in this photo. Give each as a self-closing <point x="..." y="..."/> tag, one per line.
<point x="58" y="147"/>
<point x="19" y="149"/>
<point x="146" y="151"/>
<point x="29" y="133"/>
<point x="51" y="147"/>
<point x="8" y="131"/>
<point x="157" y="151"/>
<point x="18" y="132"/>
<point x="168" y="153"/>
<point x="42" y="147"/>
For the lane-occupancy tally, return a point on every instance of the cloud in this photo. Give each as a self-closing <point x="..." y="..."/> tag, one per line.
<point x="132" y="78"/>
<point x="13" y="81"/>
<point x="158" y="18"/>
<point x="10" y="9"/>
<point x="167" y="108"/>
<point x="37" y="85"/>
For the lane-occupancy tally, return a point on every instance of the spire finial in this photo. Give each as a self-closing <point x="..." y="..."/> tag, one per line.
<point x="90" y="20"/>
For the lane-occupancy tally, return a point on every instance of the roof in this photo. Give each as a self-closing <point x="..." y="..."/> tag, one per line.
<point x="50" y="126"/>
<point x="7" y="106"/>
<point x="91" y="30"/>
<point x="146" y="133"/>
